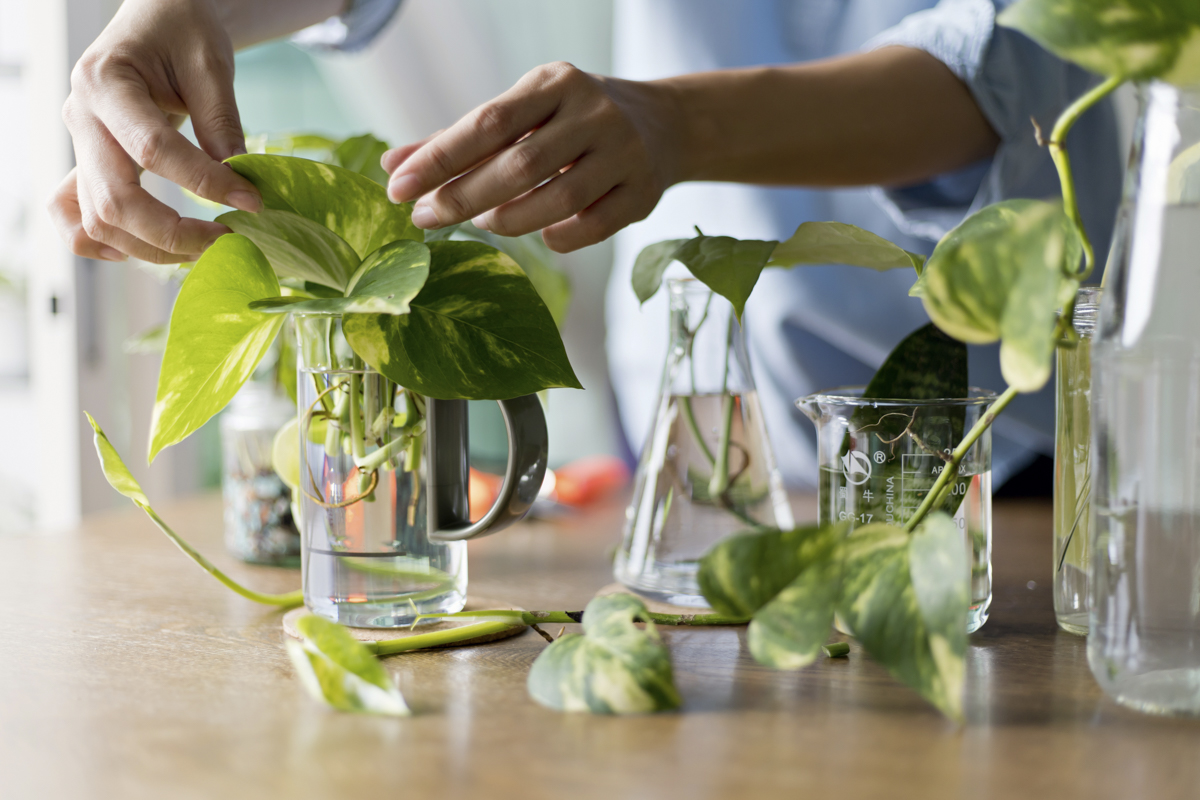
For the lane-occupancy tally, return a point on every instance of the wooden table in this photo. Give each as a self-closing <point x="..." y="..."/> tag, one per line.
<point x="126" y="672"/>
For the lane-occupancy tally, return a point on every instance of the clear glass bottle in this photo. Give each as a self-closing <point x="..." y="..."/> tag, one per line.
<point x="1073" y="469"/>
<point x="258" y="513"/>
<point x="707" y="470"/>
<point x="1144" y="638"/>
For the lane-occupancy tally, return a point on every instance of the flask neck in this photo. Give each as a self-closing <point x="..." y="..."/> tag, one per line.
<point x="708" y="345"/>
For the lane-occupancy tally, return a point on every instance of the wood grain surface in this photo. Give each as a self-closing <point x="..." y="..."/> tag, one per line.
<point x="125" y="672"/>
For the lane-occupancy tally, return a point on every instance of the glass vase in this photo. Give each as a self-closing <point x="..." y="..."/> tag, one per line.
<point x="1144" y="637"/>
<point x="707" y="470"/>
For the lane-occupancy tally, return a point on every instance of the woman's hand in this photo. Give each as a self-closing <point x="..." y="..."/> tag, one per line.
<point x="575" y="155"/>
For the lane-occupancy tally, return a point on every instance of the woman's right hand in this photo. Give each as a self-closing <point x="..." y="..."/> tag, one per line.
<point x="157" y="62"/>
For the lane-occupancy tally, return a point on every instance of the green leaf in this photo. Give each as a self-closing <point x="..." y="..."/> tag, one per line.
<point x="354" y="207"/>
<point x="361" y="154"/>
<point x="613" y="668"/>
<point x="926" y="365"/>
<point x="539" y="263"/>
<point x="297" y="247"/>
<point x="1001" y="274"/>
<point x="340" y="671"/>
<point x="839" y="243"/>
<point x="789" y="631"/>
<point x="917" y="633"/>
<point x="386" y="282"/>
<point x="214" y="341"/>
<point x="1136" y="39"/>
<point x="741" y="574"/>
<point x="650" y="265"/>
<point x="120" y="478"/>
<point x="730" y="267"/>
<point x="477" y="330"/>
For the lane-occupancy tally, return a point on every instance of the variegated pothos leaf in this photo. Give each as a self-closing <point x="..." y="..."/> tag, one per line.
<point x="340" y="671"/>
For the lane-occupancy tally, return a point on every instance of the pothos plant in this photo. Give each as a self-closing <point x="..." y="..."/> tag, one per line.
<point x="1007" y="273"/>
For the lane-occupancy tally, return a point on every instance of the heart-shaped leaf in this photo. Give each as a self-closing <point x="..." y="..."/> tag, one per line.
<point x="386" y="282"/>
<point x="354" y="207"/>
<point x="214" y="339"/>
<point x="613" y="668"/>
<point x="1001" y="274"/>
<point x="730" y="267"/>
<point x="477" y="330"/>
<point x="789" y="631"/>
<point x="537" y="261"/>
<point x="340" y="671"/>
<point x="1136" y="39"/>
<point x="297" y="247"/>
<point x="362" y="154"/>
<point x="650" y="265"/>
<point x="741" y="574"/>
<point x="905" y="598"/>
<point x="839" y="243"/>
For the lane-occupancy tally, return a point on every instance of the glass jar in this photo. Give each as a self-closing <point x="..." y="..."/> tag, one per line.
<point x="707" y="470"/>
<point x="1144" y="638"/>
<point x="259" y="527"/>
<point x="1071" y="554"/>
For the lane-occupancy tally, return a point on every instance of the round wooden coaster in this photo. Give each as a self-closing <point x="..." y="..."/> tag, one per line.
<point x="383" y="634"/>
<point x="655" y="606"/>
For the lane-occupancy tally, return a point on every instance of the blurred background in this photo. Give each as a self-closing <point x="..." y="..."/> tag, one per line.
<point x="68" y="326"/>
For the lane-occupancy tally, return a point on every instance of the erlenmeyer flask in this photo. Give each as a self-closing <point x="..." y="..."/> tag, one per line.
<point x="707" y="470"/>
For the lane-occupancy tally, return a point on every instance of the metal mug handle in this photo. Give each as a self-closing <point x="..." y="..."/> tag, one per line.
<point x="448" y="499"/>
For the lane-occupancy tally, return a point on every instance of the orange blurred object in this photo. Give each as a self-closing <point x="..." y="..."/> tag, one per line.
<point x="589" y="479"/>
<point x="484" y="487"/>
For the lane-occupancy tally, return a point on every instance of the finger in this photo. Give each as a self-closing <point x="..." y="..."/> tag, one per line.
<point x="398" y="155"/>
<point x="143" y="131"/>
<point x="559" y="199"/>
<point x="110" y="193"/>
<point x="211" y="103"/>
<point x="511" y="173"/>
<point x="489" y="128"/>
<point x="68" y="221"/>
<point x="114" y="239"/>
<point x="622" y="206"/>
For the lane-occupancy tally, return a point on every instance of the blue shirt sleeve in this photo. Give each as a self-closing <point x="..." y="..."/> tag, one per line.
<point x="1014" y="81"/>
<point x="352" y="30"/>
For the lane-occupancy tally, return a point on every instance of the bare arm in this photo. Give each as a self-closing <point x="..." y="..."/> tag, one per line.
<point x="157" y="62"/>
<point x="581" y="156"/>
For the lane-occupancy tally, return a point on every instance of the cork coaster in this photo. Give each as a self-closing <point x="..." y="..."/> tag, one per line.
<point x="383" y="634"/>
<point x="655" y="606"/>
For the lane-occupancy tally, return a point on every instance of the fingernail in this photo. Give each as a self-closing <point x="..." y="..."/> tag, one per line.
<point x="244" y="201"/>
<point x="424" y="217"/>
<point x="403" y="188"/>
<point x="112" y="254"/>
<point x="481" y="222"/>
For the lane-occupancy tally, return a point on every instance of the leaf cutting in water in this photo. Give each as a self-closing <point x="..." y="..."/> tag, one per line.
<point x="340" y="671"/>
<point x="613" y="667"/>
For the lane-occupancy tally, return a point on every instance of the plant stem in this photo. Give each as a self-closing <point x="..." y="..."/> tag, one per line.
<point x="287" y="600"/>
<point x="568" y="617"/>
<point x="720" y="476"/>
<point x="1062" y="161"/>
<point x="689" y="416"/>
<point x="950" y="470"/>
<point x="389" y="647"/>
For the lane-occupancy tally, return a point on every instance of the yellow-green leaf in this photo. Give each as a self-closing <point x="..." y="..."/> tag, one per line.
<point x="340" y="671"/>
<point x="297" y="247"/>
<point x="839" y="243"/>
<point x="789" y="631"/>
<point x="214" y="339"/>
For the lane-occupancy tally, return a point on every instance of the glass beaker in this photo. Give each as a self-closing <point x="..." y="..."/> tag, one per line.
<point x="707" y="470"/>
<point x="878" y="459"/>
<point x="383" y="486"/>
<point x="258" y="514"/>
<point x="1073" y="469"/>
<point x="1144" y="637"/>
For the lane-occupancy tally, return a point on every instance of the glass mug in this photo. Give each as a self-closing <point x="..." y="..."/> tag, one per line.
<point x="384" y="511"/>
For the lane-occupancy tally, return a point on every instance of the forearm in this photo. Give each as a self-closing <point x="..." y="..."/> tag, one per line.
<point x="250" y="22"/>
<point x="891" y="116"/>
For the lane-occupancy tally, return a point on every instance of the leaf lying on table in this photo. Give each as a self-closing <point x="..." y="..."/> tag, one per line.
<point x="121" y="479"/>
<point x="340" y="671"/>
<point x="1002" y="274"/>
<point x="477" y="330"/>
<point x="215" y="340"/>
<point x="612" y="668"/>
<point x="905" y="598"/>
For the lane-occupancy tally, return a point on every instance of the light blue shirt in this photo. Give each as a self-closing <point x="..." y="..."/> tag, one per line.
<point x="812" y="328"/>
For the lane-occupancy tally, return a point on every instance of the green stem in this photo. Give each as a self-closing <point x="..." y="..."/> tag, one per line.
<point x="689" y="416"/>
<point x="421" y="641"/>
<point x="356" y="417"/>
<point x="569" y="617"/>
<point x="951" y="468"/>
<point x="1062" y="161"/>
<point x="287" y="600"/>
<point x="720" y="477"/>
<point x="375" y="460"/>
